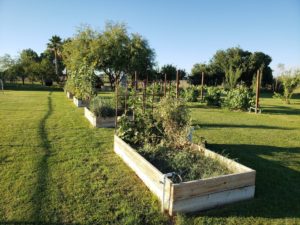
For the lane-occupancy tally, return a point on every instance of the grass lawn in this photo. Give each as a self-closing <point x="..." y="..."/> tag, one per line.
<point x="56" y="169"/>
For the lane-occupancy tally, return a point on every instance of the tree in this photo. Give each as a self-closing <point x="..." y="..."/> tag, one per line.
<point x="198" y="68"/>
<point x="28" y="60"/>
<point x="290" y="81"/>
<point x="141" y="58"/>
<point x="55" y="46"/>
<point x="80" y="57"/>
<point x="170" y="71"/>
<point x="6" y="62"/>
<point x="113" y="51"/>
<point x="236" y="61"/>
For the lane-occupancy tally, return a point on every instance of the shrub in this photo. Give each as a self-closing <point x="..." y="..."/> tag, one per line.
<point x="102" y="107"/>
<point x="290" y="81"/>
<point x="239" y="98"/>
<point x="70" y="86"/>
<point x="169" y="123"/>
<point x="191" y="94"/>
<point x="213" y="96"/>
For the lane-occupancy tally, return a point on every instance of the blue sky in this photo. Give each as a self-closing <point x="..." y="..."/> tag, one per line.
<point x="181" y="32"/>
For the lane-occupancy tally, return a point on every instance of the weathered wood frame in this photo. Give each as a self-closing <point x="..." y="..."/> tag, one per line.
<point x="194" y="195"/>
<point x="98" y="121"/>
<point x="78" y="102"/>
<point x="69" y="95"/>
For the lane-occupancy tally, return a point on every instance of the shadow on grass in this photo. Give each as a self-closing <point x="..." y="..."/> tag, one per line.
<point x="42" y="167"/>
<point x="31" y="87"/>
<point x="223" y="125"/>
<point x="285" y="110"/>
<point x="277" y="191"/>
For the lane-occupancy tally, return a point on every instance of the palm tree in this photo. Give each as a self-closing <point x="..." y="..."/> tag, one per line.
<point x="55" y="45"/>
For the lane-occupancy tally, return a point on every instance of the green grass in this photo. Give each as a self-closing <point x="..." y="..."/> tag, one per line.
<point x="56" y="169"/>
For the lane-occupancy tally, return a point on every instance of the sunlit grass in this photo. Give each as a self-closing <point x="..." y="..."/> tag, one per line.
<point x="56" y="169"/>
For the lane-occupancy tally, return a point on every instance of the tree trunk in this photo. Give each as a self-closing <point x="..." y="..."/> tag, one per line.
<point x="23" y="80"/>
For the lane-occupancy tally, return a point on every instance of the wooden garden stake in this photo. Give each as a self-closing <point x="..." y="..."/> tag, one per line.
<point x="144" y="95"/>
<point x="116" y="94"/>
<point x="202" y="83"/>
<point x="152" y="95"/>
<point x="135" y="80"/>
<point x="126" y="93"/>
<point x="165" y="86"/>
<point x="257" y="90"/>
<point x="177" y="84"/>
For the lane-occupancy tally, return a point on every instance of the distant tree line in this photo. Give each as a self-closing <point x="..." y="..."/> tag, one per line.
<point x="89" y="56"/>
<point x="231" y="66"/>
<point x="46" y="67"/>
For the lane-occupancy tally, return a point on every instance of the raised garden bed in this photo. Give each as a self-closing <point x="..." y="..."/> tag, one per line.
<point x="98" y="121"/>
<point x="78" y="102"/>
<point x="69" y="95"/>
<point x="193" y="195"/>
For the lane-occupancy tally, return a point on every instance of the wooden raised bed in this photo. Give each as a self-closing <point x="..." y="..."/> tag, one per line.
<point x="98" y="121"/>
<point x="78" y="102"/>
<point x="69" y="95"/>
<point x="194" y="195"/>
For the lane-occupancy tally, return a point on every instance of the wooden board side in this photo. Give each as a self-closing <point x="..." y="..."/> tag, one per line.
<point x="150" y="175"/>
<point x="211" y="200"/>
<point x="231" y="164"/>
<point x="210" y="185"/>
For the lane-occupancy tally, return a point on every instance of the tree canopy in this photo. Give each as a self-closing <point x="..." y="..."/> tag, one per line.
<point x="234" y="65"/>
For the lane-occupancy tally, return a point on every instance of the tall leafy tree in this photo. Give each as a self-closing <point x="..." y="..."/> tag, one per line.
<point x="113" y="51"/>
<point x="55" y="45"/>
<point x="28" y="59"/>
<point x="80" y="57"/>
<point x="141" y="56"/>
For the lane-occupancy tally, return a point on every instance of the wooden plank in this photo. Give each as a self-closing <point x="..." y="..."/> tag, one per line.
<point x="229" y="163"/>
<point x="211" y="200"/>
<point x="150" y="175"/>
<point x="98" y="121"/>
<point x="211" y="185"/>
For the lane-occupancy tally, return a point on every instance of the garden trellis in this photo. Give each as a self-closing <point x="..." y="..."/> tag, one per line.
<point x="140" y="90"/>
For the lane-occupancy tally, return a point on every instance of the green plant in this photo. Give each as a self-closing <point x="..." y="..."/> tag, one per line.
<point x="213" y="96"/>
<point x="70" y="86"/>
<point x="191" y="94"/>
<point x="102" y="106"/>
<point x="290" y="81"/>
<point x="239" y="98"/>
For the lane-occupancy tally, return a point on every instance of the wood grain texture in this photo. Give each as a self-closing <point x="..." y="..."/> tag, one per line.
<point x="211" y="200"/>
<point x="98" y="121"/>
<point x="193" y="195"/>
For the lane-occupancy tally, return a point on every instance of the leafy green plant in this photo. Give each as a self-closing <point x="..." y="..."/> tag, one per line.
<point x="290" y="81"/>
<point x="213" y="96"/>
<point x="103" y="107"/>
<point x="70" y="86"/>
<point x="191" y="94"/>
<point x="239" y="98"/>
